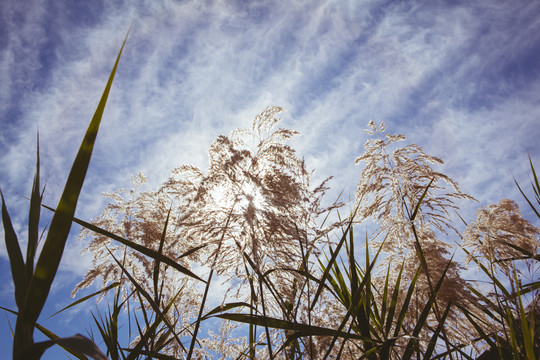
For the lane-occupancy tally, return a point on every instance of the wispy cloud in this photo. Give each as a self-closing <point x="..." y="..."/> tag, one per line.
<point x="458" y="78"/>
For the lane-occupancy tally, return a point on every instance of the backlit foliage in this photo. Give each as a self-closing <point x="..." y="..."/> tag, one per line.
<point x="255" y="200"/>
<point x="255" y="219"/>
<point x="253" y="210"/>
<point x="140" y="217"/>
<point x="136" y="216"/>
<point x="496" y="226"/>
<point x="504" y="246"/>
<point x="392" y="183"/>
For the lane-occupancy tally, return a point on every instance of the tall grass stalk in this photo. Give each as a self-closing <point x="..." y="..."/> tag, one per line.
<point x="33" y="283"/>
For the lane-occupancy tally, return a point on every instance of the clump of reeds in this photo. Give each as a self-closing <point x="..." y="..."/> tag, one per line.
<point x="303" y="288"/>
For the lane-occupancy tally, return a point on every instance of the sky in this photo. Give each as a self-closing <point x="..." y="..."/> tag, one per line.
<point x="459" y="78"/>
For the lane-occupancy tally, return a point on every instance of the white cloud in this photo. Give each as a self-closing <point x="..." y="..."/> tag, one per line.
<point x="457" y="79"/>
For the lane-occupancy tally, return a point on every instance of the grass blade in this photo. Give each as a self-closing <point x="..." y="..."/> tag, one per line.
<point x="111" y="286"/>
<point x="424" y="314"/>
<point x="417" y="207"/>
<point x="50" y="335"/>
<point x="526" y="331"/>
<point x="53" y="248"/>
<point x="433" y="342"/>
<point x="151" y="329"/>
<point x="393" y="301"/>
<point x="329" y="266"/>
<point x="143" y="250"/>
<point x="225" y="307"/>
<point x="405" y="306"/>
<point x="77" y="344"/>
<point x="33" y="220"/>
<point x="155" y="307"/>
<point x="302" y="329"/>
<point x="16" y="260"/>
<point x="155" y="272"/>
<point x="536" y="188"/>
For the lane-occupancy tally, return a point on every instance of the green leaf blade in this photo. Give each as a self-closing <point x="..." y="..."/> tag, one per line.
<point x="52" y="251"/>
<point x="16" y="260"/>
<point x="33" y="220"/>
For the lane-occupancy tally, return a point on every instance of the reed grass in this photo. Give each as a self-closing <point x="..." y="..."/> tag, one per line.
<point x="331" y="305"/>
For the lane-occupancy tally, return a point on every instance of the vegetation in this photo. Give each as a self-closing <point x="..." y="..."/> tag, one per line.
<point x="299" y="285"/>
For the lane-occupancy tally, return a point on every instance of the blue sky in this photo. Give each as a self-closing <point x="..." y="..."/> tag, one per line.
<point x="459" y="78"/>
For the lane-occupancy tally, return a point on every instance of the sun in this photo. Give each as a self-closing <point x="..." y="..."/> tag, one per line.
<point x="240" y="196"/>
<point x="252" y="196"/>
